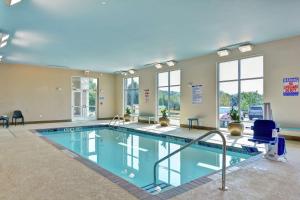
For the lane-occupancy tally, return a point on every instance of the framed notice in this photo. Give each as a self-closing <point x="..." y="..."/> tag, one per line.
<point x="291" y="86"/>
<point x="196" y="94"/>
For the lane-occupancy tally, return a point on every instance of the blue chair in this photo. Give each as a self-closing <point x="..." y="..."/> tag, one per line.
<point x="263" y="132"/>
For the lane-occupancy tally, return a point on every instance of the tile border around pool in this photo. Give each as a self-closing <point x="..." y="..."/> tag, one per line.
<point x="136" y="191"/>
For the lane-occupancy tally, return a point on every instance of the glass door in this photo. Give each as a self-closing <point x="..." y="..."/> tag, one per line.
<point x="84" y="98"/>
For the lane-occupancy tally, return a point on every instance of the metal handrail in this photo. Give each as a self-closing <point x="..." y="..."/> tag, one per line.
<point x="223" y="187"/>
<point x="115" y="121"/>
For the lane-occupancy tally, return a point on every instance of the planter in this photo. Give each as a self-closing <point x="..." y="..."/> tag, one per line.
<point x="164" y="121"/>
<point x="127" y="118"/>
<point x="235" y="128"/>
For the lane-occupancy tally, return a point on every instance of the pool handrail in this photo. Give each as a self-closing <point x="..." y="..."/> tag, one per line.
<point x="115" y="119"/>
<point x="223" y="187"/>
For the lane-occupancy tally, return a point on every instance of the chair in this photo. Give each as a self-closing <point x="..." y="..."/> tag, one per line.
<point x="5" y="120"/>
<point x="17" y="114"/>
<point x="263" y="132"/>
<point x="190" y="120"/>
<point x="266" y="132"/>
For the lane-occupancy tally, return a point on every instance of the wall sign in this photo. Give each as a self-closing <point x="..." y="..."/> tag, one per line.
<point x="291" y="86"/>
<point x="196" y="94"/>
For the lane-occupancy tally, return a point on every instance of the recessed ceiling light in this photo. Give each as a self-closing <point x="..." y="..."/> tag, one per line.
<point x="131" y="71"/>
<point x="4" y="37"/>
<point x="171" y="63"/>
<point x="3" y="44"/>
<point x="158" y="66"/>
<point x="223" y="52"/>
<point x="245" y="48"/>
<point x="12" y="2"/>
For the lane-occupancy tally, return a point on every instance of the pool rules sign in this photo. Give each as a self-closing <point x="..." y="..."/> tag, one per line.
<point x="291" y="86"/>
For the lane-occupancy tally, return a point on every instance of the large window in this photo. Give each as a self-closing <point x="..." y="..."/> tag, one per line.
<point x="241" y="86"/>
<point x="131" y="94"/>
<point x="169" y="94"/>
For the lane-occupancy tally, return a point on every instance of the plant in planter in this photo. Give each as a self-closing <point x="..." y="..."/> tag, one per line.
<point x="127" y="114"/>
<point x="235" y="127"/>
<point x="164" y="120"/>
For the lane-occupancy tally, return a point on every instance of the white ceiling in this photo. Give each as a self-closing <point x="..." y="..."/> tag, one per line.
<point x="122" y="34"/>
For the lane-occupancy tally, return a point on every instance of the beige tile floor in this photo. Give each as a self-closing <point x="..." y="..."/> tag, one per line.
<point x="30" y="168"/>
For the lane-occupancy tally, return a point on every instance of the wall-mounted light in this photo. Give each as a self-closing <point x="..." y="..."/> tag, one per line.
<point x="12" y="2"/>
<point x="223" y="52"/>
<point x="158" y="66"/>
<point x="245" y="48"/>
<point x="131" y="71"/>
<point x="171" y="63"/>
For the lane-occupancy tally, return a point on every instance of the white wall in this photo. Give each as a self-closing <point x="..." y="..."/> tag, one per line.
<point x="33" y="90"/>
<point x="281" y="59"/>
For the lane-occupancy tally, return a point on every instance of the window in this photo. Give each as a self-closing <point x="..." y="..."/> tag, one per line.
<point x="241" y="85"/>
<point x="131" y="94"/>
<point x="169" y="94"/>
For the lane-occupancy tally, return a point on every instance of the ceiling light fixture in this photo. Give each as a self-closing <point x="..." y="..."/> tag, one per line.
<point x="12" y="2"/>
<point x="245" y="48"/>
<point x="131" y="71"/>
<point x="4" y="37"/>
<point x="223" y="52"/>
<point x="3" y="44"/>
<point x="171" y="63"/>
<point x="158" y="66"/>
<point x="123" y="73"/>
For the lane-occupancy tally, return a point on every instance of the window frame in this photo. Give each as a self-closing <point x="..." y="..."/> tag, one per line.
<point x="238" y="80"/>
<point x="132" y="91"/>
<point x="169" y="92"/>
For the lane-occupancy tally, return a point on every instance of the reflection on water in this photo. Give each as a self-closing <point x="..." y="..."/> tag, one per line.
<point x="132" y="156"/>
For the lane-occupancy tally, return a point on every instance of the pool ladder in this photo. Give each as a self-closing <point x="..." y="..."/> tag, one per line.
<point x="116" y="119"/>
<point x="152" y="187"/>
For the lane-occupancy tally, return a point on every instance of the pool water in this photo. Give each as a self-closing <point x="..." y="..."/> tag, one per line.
<point x="131" y="155"/>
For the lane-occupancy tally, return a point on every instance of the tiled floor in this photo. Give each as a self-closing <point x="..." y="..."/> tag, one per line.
<point x="30" y="168"/>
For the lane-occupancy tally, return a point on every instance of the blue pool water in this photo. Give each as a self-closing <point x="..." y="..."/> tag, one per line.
<point x="131" y="154"/>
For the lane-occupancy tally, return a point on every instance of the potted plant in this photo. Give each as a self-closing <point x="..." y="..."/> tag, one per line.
<point x="164" y="120"/>
<point x="127" y="114"/>
<point x="235" y="127"/>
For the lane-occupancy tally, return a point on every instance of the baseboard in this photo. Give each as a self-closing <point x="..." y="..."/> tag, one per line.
<point x="107" y="118"/>
<point x="291" y="137"/>
<point x="147" y="121"/>
<point x="198" y="127"/>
